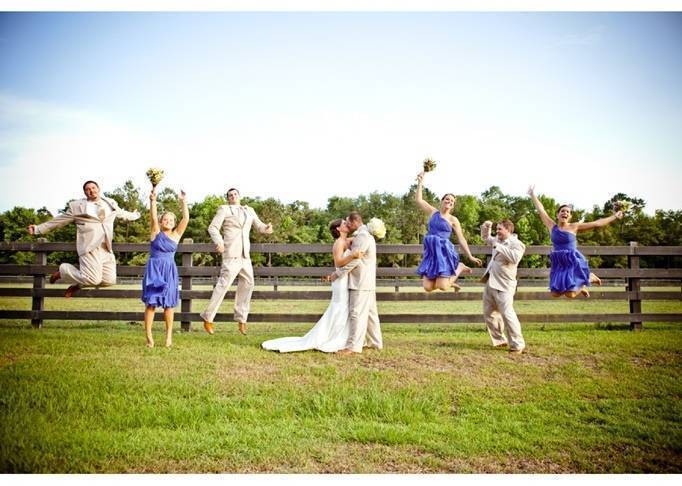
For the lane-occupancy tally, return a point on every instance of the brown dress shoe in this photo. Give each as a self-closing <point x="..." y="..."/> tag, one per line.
<point x="345" y="352"/>
<point x="242" y="328"/>
<point x="55" y="276"/>
<point x="70" y="291"/>
<point x="208" y="326"/>
<point x="517" y="351"/>
<point x="502" y="345"/>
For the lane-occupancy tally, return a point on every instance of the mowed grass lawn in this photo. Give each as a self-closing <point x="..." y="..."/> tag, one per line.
<point x="89" y="397"/>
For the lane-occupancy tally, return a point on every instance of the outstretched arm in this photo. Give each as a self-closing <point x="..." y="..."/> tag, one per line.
<point x="56" y="222"/>
<point x="153" y="215"/>
<point x="260" y="226"/>
<point x="182" y="225"/>
<point x="549" y="222"/>
<point x="600" y="222"/>
<point x="462" y="241"/>
<point x="426" y="207"/>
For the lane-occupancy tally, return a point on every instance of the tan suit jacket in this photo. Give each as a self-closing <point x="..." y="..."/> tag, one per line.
<point x="235" y="224"/>
<point x="91" y="233"/>
<point x="501" y="271"/>
<point x="363" y="271"/>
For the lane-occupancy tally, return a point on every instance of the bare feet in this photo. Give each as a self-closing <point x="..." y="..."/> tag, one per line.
<point x="150" y="342"/>
<point x="70" y="291"/>
<point x="345" y="352"/>
<point x="455" y="286"/>
<point x="169" y="344"/>
<point x="584" y="292"/>
<point x="594" y="279"/>
<point x="208" y="327"/>
<point x="55" y="276"/>
<point x="463" y="269"/>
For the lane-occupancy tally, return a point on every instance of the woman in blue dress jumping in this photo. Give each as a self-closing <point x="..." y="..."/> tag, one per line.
<point x="569" y="274"/>
<point x="440" y="266"/>
<point x="160" y="282"/>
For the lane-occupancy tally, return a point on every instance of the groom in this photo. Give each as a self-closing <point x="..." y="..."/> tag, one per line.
<point x="364" y="318"/>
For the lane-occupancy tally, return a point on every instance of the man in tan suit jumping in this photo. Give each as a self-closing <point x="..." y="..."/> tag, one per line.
<point x="365" y="328"/>
<point x="500" y="285"/>
<point x="94" y="217"/>
<point x="235" y="222"/>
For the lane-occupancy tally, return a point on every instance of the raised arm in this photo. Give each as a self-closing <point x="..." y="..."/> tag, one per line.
<point x="599" y="222"/>
<point x="182" y="225"/>
<point x="153" y="215"/>
<point x="548" y="222"/>
<point x="462" y="241"/>
<point x="426" y="207"/>
<point x="485" y="232"/>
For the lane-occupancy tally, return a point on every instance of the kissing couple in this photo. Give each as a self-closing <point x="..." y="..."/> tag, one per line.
<point x="351" y="320"/>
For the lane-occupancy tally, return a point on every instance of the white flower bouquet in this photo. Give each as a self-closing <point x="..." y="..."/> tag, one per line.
<point x="376" y="228"/>
<point x="622" y="205"/>
<point x="155" y="175"/>
<point x="429" y="164"/>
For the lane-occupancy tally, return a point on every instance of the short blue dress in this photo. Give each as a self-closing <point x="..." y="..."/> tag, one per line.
<point x="160" y="282"/>
<point x="440" y="259"/>
<point x="569" y="269"/>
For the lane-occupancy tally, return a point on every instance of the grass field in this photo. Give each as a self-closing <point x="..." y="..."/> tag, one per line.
<point x="89" y="397"/>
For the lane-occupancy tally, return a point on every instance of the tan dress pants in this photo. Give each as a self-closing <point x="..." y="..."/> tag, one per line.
<point x="97" y="269"/>
<point x="231" y="268"/>
<point x="365" y="329"/>
<point x="501" y="319"/>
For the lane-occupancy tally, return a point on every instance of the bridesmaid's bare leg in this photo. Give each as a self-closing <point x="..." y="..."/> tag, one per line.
<point x="168" y="317"/>
<point x="148" y="320"/>
<point x="428" y="284"/>
<point x="444" y="283"/>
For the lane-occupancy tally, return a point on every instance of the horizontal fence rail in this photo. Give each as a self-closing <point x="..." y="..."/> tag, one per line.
<point x="632" y="276"/>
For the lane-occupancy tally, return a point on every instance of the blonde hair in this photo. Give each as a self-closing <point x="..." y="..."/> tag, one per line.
<point x="175" y="220"/>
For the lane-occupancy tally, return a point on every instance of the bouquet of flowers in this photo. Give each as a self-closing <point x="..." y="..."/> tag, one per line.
<point x="376" y="228"/>
<point x="622" y="205"/>
<point x="155" y="175"/>
<point x="429" y="164"/>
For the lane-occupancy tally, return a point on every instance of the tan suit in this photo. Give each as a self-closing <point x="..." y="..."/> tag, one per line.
<point x="365" y="329"/>
<point x="234" y="222"/>
<point x="498" y="295"/>
<point x="94" y="237"/>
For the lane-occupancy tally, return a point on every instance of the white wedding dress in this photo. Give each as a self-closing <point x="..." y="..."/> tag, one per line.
<point x="331" y="332"/>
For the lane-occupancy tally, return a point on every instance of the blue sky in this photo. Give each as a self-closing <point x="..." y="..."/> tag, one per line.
<point x="304" y="106"/>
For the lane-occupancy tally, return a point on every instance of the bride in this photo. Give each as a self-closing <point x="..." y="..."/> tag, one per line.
<point x="331" y="331"/>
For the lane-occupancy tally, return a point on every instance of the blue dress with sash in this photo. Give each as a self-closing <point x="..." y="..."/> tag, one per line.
<point x="440" y="259"/>
<point x="160" y="282"/>
<point x="569" y="269"/>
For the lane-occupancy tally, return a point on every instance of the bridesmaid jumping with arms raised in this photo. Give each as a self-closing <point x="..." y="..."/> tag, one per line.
<point x="160" y="282"/>
<point x="569" y="274"/>
<point x="440" y="266"/>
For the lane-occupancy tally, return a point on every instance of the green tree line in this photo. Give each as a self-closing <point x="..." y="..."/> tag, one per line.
<point x="297" y="222"/>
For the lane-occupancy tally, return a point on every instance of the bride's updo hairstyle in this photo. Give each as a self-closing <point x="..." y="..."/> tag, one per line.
<point x="334" y="228"/>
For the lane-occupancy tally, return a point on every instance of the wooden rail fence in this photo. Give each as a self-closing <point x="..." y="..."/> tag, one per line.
<point x="631" y="276"/>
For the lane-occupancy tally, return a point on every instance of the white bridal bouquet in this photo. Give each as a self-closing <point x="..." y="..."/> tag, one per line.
<point x="622" y="205"/>
<point x="155" y="175"/>
<point x="376" y="228"/>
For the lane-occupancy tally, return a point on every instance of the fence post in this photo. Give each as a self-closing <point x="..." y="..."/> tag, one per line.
<point x="634" y="286"/>
<point x="186" y="302"/>
<point x="274" y="284"/>
<point x="38" y="302"/>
